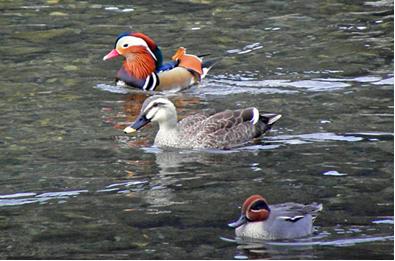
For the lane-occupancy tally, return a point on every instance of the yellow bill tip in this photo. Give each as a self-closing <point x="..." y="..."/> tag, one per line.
<point x="128" y="130"/>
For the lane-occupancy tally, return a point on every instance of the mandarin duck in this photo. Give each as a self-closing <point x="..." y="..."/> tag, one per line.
<point x="222" y="130"/>
<point x="142" y="67"/>
<point x="290" y="220"/>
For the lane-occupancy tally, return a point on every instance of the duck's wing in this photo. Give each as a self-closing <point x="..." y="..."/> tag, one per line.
<point x="294" y="211"/>
<point x="230" y="128"/>
<point x="191" y="124"/>
<point x="225" y="138"/>
<point x="231" y="118"/>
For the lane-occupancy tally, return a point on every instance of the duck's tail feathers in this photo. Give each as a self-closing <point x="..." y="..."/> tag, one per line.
<point x="314" y="209"/>
<point x="270" y="118"/>
<point x="203" y="55"/>
<point x="207" y="65"/>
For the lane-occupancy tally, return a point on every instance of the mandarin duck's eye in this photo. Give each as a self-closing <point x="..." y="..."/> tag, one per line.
<point x="125" y="46"/>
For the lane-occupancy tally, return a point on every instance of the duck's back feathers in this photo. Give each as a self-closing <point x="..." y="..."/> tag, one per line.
<point x="167" y="66"/>
<point x="228" y="128"/>
<point x="292" y="212"/>
<point x="184" y="71"/>
<point x="192" y="124"/>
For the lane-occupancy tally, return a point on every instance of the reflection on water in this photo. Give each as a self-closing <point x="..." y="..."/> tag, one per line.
<point x="300" y="247"/>
<point x="73" y="186"/>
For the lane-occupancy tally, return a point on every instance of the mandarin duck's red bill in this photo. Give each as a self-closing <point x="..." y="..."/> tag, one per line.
<point x="143" y="66"/>
<point x="114" y="53"/>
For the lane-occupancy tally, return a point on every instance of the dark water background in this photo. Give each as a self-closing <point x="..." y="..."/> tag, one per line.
<point x="73" y="186"/>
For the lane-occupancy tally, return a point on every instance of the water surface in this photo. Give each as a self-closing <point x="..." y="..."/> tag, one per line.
<point x="72" y="185"/>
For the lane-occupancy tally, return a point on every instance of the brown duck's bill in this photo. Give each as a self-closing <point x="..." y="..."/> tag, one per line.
<point x="241" y="221"/>
<point x="140" y="122"/>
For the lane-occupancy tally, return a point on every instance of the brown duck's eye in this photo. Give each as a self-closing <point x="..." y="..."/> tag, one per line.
<point x="125" y="45"/>
<point x="157" y="104"/>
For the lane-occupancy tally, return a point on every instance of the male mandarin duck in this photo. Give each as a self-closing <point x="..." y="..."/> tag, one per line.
<point x="222" y="130"/>
<point x="290" y="220"/>
<point x="142" y="67"/>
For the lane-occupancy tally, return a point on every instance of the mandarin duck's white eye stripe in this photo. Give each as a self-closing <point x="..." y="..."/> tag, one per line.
<point x="128" y="41"/>
<point x="152" y="54"/>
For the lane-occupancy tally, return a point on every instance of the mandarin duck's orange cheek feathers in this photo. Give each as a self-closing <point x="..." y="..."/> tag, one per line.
<point x="157" y="53"/>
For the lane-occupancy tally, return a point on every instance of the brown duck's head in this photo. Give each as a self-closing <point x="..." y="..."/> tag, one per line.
<point x="155" y="109"/>
<point x="255" y="208"/>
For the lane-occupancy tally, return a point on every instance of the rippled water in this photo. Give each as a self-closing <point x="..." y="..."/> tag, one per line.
<point x="72" y="185"/>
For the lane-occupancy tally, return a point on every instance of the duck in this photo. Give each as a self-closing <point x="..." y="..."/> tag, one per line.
<point x="143" y="66"/>
<point x="223" y="130"/>
<point x="289" y="220"/>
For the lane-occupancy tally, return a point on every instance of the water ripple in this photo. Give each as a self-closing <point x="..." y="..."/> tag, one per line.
<point x="29" y="198"/>
<point x="111" y="88"/>
<point x="338" y="242"/>
<point x="246" y="49"/>
<point x="246" y="83"/>
<point x="313" y="137"/>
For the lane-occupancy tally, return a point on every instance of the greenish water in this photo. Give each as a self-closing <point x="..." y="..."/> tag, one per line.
<point x="72" y="185"/>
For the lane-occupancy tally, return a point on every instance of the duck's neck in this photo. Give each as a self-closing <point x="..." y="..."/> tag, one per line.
<point x="168" y="134"/>
<point x="140" y="64"/>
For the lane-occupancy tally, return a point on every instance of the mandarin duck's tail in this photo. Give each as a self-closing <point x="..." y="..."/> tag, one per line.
<point x="207" y="65"/>
<point x="194" y="63"/>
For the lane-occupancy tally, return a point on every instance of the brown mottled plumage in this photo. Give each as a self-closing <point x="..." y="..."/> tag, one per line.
<point x="222" y="130"/>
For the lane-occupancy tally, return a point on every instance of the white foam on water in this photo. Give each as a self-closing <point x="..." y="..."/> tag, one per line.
<point x="29" y="197"/>
<point x="333" y="173"/>
<point x="111" y="88"/>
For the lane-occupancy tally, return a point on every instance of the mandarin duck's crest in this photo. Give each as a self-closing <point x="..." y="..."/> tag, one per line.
<point x="129" y="39"/>
<point x="143" y="68"/>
